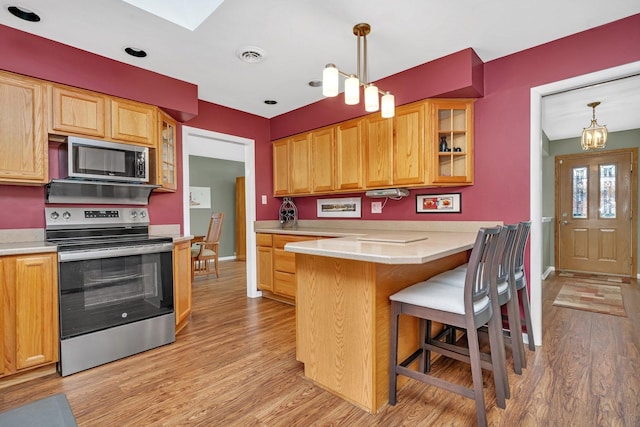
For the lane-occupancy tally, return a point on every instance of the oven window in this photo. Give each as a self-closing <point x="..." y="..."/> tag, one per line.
<point x="98" y="294"/>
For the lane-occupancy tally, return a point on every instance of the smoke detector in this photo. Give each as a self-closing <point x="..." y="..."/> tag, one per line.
<point x="251" y="54"/>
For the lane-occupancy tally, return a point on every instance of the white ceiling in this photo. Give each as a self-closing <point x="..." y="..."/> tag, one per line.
<point x="564" y="115"/>
<point x="301" y="36"/>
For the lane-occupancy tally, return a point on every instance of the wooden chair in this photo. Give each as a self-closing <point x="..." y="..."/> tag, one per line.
<point x="205" y="252"/>
<point x="467" y="307"/>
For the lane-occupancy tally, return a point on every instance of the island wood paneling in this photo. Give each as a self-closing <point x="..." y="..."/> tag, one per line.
<point x="343" y="315"/>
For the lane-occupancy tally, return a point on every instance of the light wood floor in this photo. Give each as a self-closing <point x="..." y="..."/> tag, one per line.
<point x="234" y="365"/>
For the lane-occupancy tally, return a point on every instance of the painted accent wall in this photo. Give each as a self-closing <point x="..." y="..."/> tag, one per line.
<point x="502" y="134"/>
<point x="502" y="116"/>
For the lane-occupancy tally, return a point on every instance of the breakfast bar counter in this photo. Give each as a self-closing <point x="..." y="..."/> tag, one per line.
<point x="342" y="304"/>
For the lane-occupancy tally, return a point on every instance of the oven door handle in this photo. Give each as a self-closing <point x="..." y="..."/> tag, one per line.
<point x="114" y="252"/>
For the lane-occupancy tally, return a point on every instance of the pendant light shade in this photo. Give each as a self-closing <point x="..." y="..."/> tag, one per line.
<point x="595" y="136"/>
<point x="330" y="80"/>
<point x="352" y="90"/>
<point x="388" y="105"/>
<point x="371" y="102"/>
<point x="353" y="82"/>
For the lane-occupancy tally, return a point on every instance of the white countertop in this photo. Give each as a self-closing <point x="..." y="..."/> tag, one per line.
<point x="433" y="245"/>
<point x="20" y="248"/>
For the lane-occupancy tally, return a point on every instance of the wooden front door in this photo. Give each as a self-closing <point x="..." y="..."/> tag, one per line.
<point x="595" y="196"/>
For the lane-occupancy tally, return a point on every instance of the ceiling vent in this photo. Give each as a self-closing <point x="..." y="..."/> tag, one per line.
<point x="251" y="54"/>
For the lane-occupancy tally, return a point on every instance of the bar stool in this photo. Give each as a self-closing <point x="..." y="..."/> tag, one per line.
<point x="506" y="291"/>
<point x="469" y="308"/>
<point x="520" y="278"/>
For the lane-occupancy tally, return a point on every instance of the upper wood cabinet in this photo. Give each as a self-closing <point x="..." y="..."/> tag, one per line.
<point x="348" y="156"/>
<point x="133" y="122"/>
<point x="378" y="151"/>
<point x="23" y="137"/>
<point x="29" y="328"/>
<point x="77" y="111"/>
<point x="300" y="164"/>
<point x="323" y="160"/>
<point x="163" y="168"/>
<point x="281" y="167"/>
<point x="372" y="152"/>
<point x="81" y="112"/>
<point x="451" y="142"/>
<point x="409" y="145"/>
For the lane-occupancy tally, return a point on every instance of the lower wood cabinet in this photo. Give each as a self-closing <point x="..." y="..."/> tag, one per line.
<point x="29" y="318"/>
<point x="277" y="267"/>
<point x="182" y="283"/>
<point x="264" y="243"/>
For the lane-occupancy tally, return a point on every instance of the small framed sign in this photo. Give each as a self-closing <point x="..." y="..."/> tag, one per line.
<point x="438" y="203"/>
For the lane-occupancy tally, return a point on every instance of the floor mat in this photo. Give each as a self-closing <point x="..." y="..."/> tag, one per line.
<point x="591" y="295"/>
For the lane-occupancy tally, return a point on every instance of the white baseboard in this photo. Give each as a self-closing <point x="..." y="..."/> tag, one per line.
<point x="548" y="271"/>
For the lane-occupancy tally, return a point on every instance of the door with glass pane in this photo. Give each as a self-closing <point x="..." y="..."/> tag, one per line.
<point x="595" y="196"/>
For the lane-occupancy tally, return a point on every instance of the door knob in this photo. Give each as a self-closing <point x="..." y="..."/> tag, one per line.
<point x="565" y="222"/>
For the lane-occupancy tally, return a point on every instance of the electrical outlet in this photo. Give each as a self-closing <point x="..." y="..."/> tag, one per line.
<point x="376" y="207"/>
<point x="264" y="199"/>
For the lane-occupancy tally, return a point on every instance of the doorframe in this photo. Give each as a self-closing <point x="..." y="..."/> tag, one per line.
<point x="217" y="145"/>
<point x="633" y="202"/>
<point x="535" y="175"/>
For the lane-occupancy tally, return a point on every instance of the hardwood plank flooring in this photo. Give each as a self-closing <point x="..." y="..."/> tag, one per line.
<point x="234" y="365"/>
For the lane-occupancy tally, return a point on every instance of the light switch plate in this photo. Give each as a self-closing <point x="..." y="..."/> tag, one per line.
<point x="376" y="207"/>
<point x="264" y="199"/>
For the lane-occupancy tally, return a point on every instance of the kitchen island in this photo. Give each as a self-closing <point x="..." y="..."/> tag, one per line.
<point x="343" y="310"/>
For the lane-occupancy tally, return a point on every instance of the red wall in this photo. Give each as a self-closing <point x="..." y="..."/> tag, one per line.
<point x="233" y="122"/>
<point x="501" y="117"/>
<point x="502" y="121"/>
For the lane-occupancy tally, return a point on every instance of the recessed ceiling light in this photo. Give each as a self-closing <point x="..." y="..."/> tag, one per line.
<point x="251" y="54"/>
<point x="270" y="102"/>
<point x="315" y="83"/>
<point x="22" y="13"/>
<point x="134" y="51"/>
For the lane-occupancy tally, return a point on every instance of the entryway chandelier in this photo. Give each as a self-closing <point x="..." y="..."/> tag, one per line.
<point x="330" y="77"/>
<point x="594" y="136"/>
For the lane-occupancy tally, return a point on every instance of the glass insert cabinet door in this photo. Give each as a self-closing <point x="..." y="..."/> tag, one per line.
<point x="452" y="143"/>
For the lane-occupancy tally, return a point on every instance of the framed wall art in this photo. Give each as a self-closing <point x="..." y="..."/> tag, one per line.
<point x="350" y="207"/>
<point x="438" y="203"/>
<point x="200" y="197"/>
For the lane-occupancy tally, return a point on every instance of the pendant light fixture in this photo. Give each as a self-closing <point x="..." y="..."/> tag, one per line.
<point x="331" y="73"/>
<point x="594" y="136"/>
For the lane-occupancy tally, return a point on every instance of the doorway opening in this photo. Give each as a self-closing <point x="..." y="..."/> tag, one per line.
<point x="535" y="177"/>
<point x="204" y="143"/>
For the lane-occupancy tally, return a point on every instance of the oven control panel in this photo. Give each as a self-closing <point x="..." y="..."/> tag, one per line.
<point x="66" y="217"/>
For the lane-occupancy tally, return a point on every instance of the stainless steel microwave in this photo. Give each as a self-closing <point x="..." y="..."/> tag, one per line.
<point x="104" y="160"/>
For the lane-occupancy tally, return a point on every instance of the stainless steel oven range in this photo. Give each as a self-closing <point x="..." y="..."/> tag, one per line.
<point x="115" y="284"/>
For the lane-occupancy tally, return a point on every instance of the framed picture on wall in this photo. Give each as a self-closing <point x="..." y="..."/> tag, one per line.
<point x="339" y="208"/>
<point x="200" y="197"/>
<point x="438" y="203"/>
